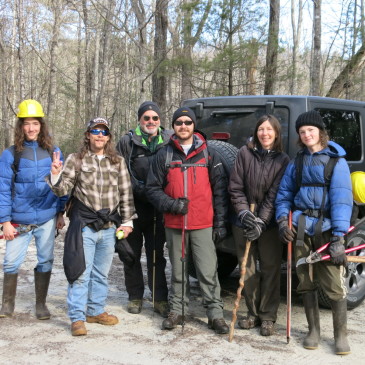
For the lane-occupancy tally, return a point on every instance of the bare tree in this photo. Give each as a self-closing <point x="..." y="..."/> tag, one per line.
<point x="315" y="85"/>
<point x="272" y="48"/>
<point x="296" y="30"/>
<point x="159" y="79"/>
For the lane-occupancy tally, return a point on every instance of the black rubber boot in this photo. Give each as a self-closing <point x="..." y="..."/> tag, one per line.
<point x="41" y="281"/>
<point x="9" y="292"/>
<point x="339" y="313"/>
<point x="310" y="301"/>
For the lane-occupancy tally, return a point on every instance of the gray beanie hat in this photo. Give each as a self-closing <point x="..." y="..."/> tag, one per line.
<point x="310" y="118"/>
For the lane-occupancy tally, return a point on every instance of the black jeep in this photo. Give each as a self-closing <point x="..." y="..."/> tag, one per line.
<point x="229" y="121"/>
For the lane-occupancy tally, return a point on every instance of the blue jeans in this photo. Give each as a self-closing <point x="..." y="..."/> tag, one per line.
<point x="16" y="249"/>
<point x="89" y="292"/>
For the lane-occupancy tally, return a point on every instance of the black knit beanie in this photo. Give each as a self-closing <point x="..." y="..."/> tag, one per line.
<point x="184" y="111"/>
<point x="148" y="105"/>
<point x="310" y="118"/>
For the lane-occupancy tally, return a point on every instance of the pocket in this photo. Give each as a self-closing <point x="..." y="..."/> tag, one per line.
<point x="113" y="176"/>
<point x="88" y="174"/>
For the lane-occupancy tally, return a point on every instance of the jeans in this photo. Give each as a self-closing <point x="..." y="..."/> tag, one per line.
<point x="89" y="292"/>
<point x="16" y="249"/>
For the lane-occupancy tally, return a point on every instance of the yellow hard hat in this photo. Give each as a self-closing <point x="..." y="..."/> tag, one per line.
<point x="30" y="108"/>
<point x="358" y="186"/>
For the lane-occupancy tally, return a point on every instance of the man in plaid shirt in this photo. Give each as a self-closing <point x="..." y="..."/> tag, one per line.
<point x="102" y="203"/>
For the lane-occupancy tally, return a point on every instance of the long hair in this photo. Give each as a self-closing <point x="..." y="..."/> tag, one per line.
<point x="44" y="139"/>
<point x="278" y="144"/>
<point x="109" y="149"/>
<point x="323" y="139"/>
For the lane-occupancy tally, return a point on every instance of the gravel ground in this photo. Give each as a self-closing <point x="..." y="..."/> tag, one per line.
<point x="138" y="339"/>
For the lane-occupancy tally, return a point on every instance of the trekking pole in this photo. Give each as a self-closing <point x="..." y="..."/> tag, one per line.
<point x="241" y="284"/>
<point x="154" y="260"/>
<point x="288" y="284"/>
<point x="185" y="219"/>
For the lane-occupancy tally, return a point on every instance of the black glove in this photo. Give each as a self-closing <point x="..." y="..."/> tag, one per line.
<point x="247" y="219"/>
<point x="125" y="252"/>
<point x="219" y="234"/>
<point x="336" y="250"/>
<point x="285" y="233"/>
<point x="180" y="206"/>
<point x="253" y="233"/>
<point x="261" y="223"/>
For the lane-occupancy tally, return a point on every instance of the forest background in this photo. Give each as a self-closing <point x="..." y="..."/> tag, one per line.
<point x="88" y="58"/>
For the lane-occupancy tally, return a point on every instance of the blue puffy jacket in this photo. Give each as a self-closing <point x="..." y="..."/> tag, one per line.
<point x="33" y="201"/>
<point x="339" y="199"/>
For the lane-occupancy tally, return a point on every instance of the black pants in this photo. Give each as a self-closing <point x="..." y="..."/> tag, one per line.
<point x="151" y="233"/>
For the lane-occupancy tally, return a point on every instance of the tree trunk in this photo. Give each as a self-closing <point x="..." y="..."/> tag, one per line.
<point x="315" y="88"/>
<point x="296" y="29"/>
<point x="159" y="79"/>
<point x="272" y="48"/>
<point x="343" y="81"/>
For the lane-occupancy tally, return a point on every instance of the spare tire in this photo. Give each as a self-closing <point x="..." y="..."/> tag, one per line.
<point x="226" y="151"/>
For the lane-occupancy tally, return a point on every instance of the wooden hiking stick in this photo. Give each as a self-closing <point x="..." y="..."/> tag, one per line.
<point x="241" y="284"/>
<point x="288" y="284"/>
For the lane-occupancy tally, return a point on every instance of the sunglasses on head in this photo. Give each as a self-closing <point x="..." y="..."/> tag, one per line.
<point x="155" y="118"/>
<point x="179" y="123"/>
<point x="96" y="132"/>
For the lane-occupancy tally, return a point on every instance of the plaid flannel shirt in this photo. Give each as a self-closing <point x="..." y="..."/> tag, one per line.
<point x="100" y="185"/>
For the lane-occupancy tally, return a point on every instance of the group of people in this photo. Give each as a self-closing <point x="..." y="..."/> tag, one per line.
<point x="170" y="186"/>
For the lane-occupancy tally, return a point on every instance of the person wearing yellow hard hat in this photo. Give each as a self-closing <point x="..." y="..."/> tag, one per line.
<point x="28" y="207"/>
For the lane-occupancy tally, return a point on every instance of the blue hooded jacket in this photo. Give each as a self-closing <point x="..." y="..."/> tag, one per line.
<point x="339" y="198"/>
<point x="33" y="201"/>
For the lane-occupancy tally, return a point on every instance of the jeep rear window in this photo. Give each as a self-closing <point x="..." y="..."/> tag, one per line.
<point x="239" y="122"/>
<point x="343" y="127"/>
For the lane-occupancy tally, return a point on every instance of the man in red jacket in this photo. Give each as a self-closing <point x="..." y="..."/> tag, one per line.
<point x="188" y="184"/>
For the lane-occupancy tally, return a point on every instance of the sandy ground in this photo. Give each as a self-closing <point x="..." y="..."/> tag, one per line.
<point x="138" y="339"/>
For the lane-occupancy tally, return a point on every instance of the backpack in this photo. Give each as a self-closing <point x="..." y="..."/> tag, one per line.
<point x="317" y="213"/>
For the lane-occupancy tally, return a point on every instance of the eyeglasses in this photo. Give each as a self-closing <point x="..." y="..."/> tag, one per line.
<point x="179" y="123"/>
<point x="96" y="132"/>
<point x="155" y="118"/>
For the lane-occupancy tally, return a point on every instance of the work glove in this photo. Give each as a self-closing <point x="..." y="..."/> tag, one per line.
<point x="253" y="233"/>
<point x="219" y="233"/>
<point x="125" y="252"/>
<point x="285" y="233"/>
<point x="180" y="206"/>
<point x="247" y="219"/>
<point x="336" y="250"/>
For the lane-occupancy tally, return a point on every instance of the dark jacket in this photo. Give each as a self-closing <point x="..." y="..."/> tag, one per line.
<point x="81" y="216"/>
<point x="339" y="199"/>
<point x="138" y="158"/>
<point x="206" y="185"/>
<point x="255" y="179"/>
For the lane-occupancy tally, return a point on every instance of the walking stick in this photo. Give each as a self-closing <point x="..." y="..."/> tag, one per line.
<point x="288" y="284"/>
<point x="185" y="218"/>
<point x="241" y="284"/>
<point x="154" y="260"/>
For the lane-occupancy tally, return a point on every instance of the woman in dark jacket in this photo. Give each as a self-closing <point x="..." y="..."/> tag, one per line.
<point x="255" y="180"/>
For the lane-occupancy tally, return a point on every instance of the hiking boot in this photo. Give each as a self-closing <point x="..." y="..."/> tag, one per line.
<point x="218" y="325"/>
<point x="267" y="328"/>
<point x="135" y="306"/>
<point x="310" y="302"/>
<point x="172" y="320"/>
<point x="249" y="322"/>
<point x="339" y="314"/>
<point x="162" y="307"/>
<point x="103" y="318"/>
<point x="78" y="328"/>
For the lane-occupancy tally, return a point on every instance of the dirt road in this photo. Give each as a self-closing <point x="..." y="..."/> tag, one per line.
<point x="138" y="339"/>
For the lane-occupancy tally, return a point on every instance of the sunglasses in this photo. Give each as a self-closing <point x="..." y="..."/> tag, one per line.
<point x="96" y="132"/>
<point x="180" y="123"/>
<point x="155" y="118"/>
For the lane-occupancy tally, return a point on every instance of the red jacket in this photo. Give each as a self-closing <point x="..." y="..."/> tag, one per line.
<point x="205" y="186"/>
